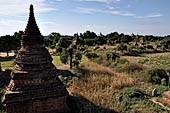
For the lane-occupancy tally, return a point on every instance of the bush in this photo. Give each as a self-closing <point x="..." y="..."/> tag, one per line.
<point x="111" y="56"/>
<point x="64" y="58"/>
<point x="52" y="46"/>
<point x="59" y="50"/>
<point x="91" y="55"/>
<point x="122" y="61"/>
<point x="64" y="42"/>
<point x="136" y="93"/>
<point x="122" y="47"/>
<point x="82" y="48"/>
<point x="165" y="43"/>
<point x="157" y="76"/>
<point x="96" y="48"/>
<point x="129" y="68"/>
<point x="90" y="42"/>
<point x="163" y="82"/>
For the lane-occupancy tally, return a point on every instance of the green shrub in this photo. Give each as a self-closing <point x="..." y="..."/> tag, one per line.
<point x="163" y="82"/>
<point x="156" y="75"/>
<point x="90" y="42"/>
<point x="122" y="47"/>
<point x="91" y="55"/>
<point x="96" y="48"/>
<point x="111" y="56"/>
<point x="52" y="46"/>
<point x="59" y="50"/>
<point x="122" y="61"/>
<point x="64" y="58"/>
<point x="129" y="68"/>
<point x="144" y="61"/>
<point x="83" y="48"/>
<point x="136" y="93"/>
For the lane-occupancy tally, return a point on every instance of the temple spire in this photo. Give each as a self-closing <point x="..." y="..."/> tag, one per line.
<point x="32" y="33"/>
<point x="32" y="27"/>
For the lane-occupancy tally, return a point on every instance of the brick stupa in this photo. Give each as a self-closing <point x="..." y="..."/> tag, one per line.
<point x="35" y="87"/>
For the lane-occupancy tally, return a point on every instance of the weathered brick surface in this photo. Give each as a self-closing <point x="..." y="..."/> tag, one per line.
<point x="50" y="105"/>
<point x="35" y="87"/>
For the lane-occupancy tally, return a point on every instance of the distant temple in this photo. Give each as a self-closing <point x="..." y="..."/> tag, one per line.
<point x="35" y="87"/>
<point x="139" y="41"/>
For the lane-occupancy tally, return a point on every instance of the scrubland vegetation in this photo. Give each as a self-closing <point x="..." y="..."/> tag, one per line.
<point x="108" y="74"/>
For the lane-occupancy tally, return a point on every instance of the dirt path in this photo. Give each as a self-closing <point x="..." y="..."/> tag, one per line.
<point x="63" y="67"/>
<point x="3" y="54"/>
<point x="154" y="101"/>
<point x="156" y="54"/>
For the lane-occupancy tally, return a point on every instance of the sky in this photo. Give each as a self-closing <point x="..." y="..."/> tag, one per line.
<point x="146" y="17"/>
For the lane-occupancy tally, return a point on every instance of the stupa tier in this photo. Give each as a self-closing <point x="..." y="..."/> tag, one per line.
<point x="35" y="87"/>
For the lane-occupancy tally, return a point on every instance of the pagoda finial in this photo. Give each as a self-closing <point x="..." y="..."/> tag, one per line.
<point x="31" y="7"/>
<point x="32" y="33"/>
<point x="32" y="27"/>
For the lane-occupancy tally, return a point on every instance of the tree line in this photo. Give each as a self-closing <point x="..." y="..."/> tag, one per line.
<point x="89" y="38"/>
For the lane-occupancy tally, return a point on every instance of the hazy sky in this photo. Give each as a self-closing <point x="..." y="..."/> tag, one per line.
<point x="71" y="16"/>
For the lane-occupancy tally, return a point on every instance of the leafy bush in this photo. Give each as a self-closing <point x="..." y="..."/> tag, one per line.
<point x="122" y="47"/>
<point x="64" y="58"/>
<point x="111" y="56"/>
<point x="122" y="61"/>
<point x="129" y="68"/>
<point x="96" y="48"/>
<point x="91" y="55"/>
<point x="90" y="42"/>
<point x="59" y="50"/>
<point x="156" y="76"/>
<point x="52" y="46"/>
<point x="144" y="61"/>
<point x="163" y="82"/>
<point x="136" y="93"/>
<point x="64" y="42"/>
<point x="165" y="43"/>
<point x="83" y="48"/>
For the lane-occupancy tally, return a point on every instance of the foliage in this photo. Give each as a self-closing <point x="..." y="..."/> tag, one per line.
<point x="90" y="42"/>
<point x="136" y="99"/>
<point x="165" y="43"/>
<point x="122" y="47"/>
<point x="8" y="43"/>
<point x="160" y="62"/>
<point x="73" y="55"/>
<point x="129" y="68"/>
<point x="111" y="56"/>
<point x="91" y="55"/>
<point x="164" y="82"/>
<point x="64" y="57"/>
<point x="52" y="39"/>
<point x="64" y="42"/>
<point x="157" y="76"/>
<point x="126" y="39"/>
<point x="59" y="50"/>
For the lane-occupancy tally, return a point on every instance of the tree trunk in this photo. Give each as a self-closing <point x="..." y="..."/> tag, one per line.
<point x="71" y="57"/>
<point x="7" y="53"/>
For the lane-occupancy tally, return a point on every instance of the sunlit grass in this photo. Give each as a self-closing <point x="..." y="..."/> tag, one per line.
<point x="56" y="60"/>
<point x="7" y="62"/>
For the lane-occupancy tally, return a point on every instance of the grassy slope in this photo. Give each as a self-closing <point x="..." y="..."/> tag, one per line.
<point x="101" y="89"/>
<point x="109" y="89"/>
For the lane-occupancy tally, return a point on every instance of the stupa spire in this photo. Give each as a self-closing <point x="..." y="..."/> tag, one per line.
<point x="32" y="33"/>
<point x="32" y="28"/>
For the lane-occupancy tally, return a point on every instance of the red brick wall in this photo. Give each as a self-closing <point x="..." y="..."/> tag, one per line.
<point x="39" y="106"/>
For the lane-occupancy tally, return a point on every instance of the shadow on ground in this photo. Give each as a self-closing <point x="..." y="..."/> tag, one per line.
<point x="82" y="105"/>
<point x="7" y="58"/>
<point x="4" y="78"/>
<point x="65" y="73"/>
